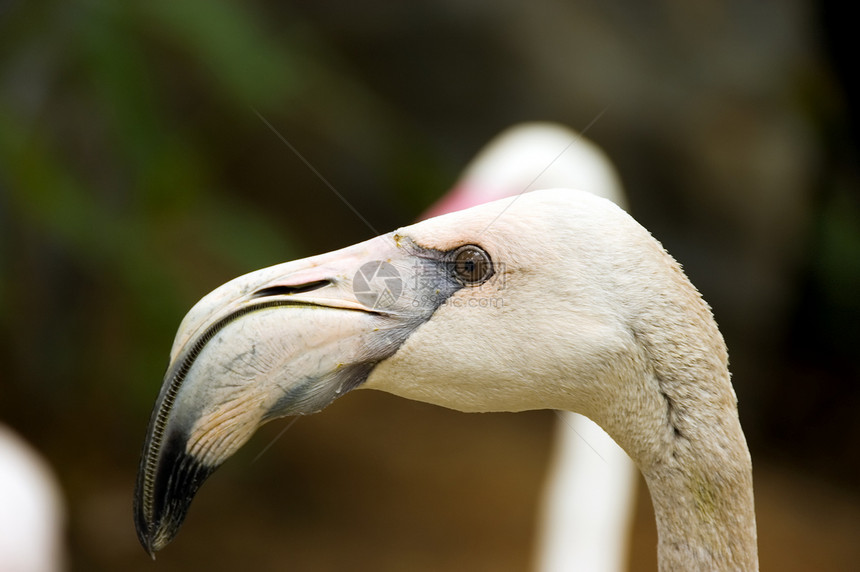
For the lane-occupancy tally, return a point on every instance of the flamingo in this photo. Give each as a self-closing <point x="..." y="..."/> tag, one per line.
<point x="555" y="299"/>
<point x="588" y="499"/>
<point x="31" y="509"/>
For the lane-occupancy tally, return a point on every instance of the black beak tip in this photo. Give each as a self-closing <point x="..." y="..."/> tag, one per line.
<point x="162" y="499"/>
<point x="144" y="531"/>
<point x="147" y="545"/>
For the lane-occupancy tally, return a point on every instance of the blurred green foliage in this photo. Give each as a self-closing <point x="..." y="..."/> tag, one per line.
<point x="835" y="281"/>
<point x="118" y="206"/>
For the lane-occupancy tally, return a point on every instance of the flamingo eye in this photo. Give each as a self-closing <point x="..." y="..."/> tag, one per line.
<point x="471" y="265"/>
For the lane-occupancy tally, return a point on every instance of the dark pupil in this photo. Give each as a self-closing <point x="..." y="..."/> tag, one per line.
<point x="471" y="265"/>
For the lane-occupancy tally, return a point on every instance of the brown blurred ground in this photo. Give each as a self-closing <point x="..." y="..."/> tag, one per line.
<point x="379" y="483"/>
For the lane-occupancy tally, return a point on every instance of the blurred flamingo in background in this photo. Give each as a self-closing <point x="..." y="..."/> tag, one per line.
<point x="590" y="491"/>
<point x="31" y="509"/>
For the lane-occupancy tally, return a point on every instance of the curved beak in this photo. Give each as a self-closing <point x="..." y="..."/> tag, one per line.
<point x="285" y="340"/>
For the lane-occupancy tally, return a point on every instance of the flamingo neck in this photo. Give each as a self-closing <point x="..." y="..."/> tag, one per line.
<point x="693" y="455"/>
<point x="703" y="502"/>
<point x="688" y="442"/>
<point x="676" y="416"/>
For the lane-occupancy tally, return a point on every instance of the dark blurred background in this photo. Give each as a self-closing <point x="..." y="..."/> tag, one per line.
<point x="136" y="175"/>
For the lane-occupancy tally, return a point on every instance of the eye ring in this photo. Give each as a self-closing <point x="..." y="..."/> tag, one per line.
<point x="471" y="265"/>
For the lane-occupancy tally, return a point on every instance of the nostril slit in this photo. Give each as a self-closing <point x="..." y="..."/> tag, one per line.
<point x="287" y="290"/>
